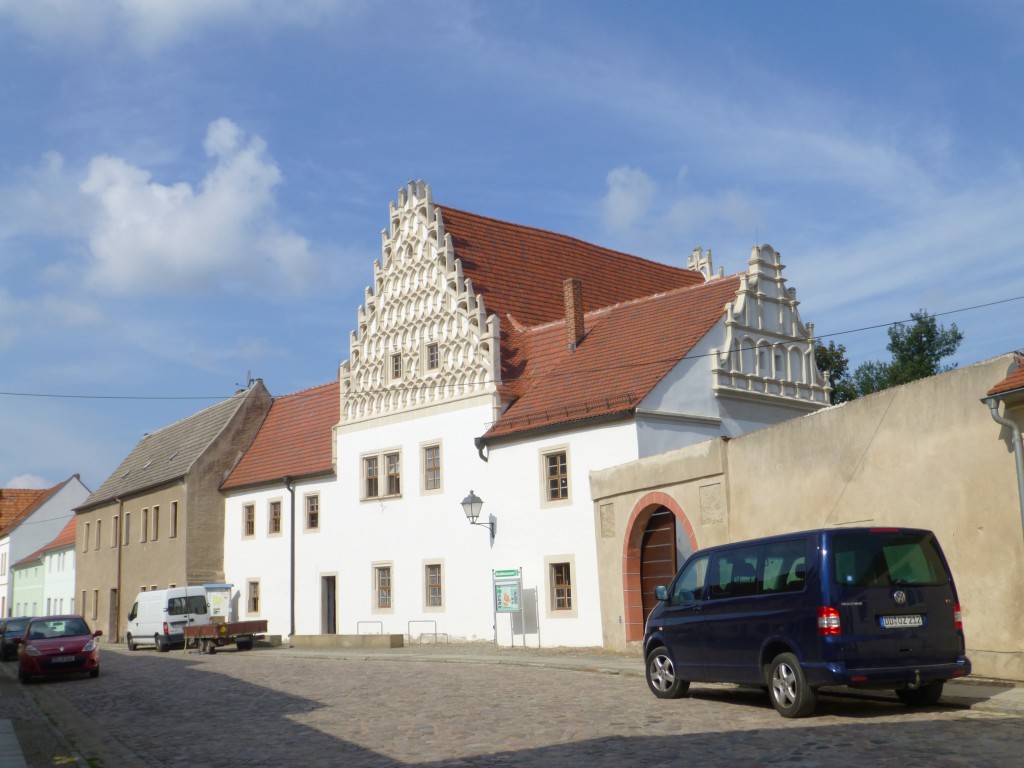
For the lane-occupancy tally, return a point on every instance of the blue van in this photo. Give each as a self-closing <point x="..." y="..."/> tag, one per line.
<point x="860" y="607"/>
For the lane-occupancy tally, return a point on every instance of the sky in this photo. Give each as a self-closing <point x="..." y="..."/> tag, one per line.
<point x="192" y="193"/>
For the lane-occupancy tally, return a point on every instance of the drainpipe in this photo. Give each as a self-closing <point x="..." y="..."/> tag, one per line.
<point x="1018" y="449"/>
<point x="115" y="631"/>
<point x="291" y="600"/>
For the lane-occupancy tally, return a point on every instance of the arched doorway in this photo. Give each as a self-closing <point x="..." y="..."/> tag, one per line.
<point x="658" y="538"/>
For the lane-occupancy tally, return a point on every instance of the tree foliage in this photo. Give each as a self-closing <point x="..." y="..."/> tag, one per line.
<point x="917" y="350"/>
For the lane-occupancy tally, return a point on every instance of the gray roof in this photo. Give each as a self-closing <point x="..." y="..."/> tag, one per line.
<point x="166" y="455"/>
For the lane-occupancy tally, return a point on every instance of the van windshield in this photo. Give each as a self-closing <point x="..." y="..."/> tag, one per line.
<point x="887" y="558"/>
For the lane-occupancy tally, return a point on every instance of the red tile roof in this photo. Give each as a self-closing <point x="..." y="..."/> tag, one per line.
<point x="520" y="270"/>
<point x="627" y="350"/>
<point x="66" y="537"/>
<point x="1012" y="382"/>
<point x="294" y="440"/>
<point x="16" y="505"/>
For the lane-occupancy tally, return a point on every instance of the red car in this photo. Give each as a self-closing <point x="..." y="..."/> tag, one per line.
<point x="57" y="645"/>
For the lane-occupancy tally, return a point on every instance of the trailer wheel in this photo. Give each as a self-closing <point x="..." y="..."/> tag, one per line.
<point x="244" y="645"/>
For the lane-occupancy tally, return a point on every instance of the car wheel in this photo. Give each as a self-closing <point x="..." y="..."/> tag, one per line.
<point x="161" y="643"/>
<point x="790" y="694"/>
<point x="94" y="673"/>
<point x="925" y="696"/>
<point x="131" y="643"/>
<point x="661" y="675"/>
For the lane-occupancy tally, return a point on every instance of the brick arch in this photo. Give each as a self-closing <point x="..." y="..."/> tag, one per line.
<point x="635" y="528"/>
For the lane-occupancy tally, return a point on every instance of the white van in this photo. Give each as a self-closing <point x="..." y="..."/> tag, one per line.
<point x="161" y="615"/>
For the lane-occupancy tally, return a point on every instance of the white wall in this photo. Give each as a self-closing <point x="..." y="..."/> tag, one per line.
<point x="59" y="579"/>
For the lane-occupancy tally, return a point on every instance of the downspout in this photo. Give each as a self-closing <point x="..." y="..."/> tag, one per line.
<point x="1018" y="450"/>
<point x="291" y="592"/>
<point x="116" y="629"/>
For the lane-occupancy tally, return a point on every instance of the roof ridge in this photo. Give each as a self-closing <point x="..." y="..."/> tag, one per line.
<point x="307" y="390"/>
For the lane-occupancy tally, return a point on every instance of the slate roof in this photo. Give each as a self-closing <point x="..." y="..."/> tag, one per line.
<point x="627" y="350"/>
<point x="167" y="454"/>
<point x="294" y="440"/>
<point x="16" y="505"/>
<point x="1012" y="382"/>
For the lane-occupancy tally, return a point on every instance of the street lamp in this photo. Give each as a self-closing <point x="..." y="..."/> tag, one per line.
<point x="472" y="505"/>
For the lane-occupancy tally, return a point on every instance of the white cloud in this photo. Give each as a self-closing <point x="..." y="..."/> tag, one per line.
<point x="629" y="198"/>
<point x="152" y="25"/>
<point x="25" y="482"/>
<point x="158" y="238"/>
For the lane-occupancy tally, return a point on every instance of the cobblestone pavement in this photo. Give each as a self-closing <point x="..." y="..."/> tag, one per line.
<point x="275" y="708"/>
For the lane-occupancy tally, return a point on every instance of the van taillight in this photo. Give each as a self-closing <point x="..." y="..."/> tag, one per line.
<point x="167" y="630"/>
<point x="958" y="619"/>
<point x="828" y="621"/>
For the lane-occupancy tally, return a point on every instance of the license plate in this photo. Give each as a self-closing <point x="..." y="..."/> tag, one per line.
<point x="908" y="620"/>
<point x="61" y="659"/>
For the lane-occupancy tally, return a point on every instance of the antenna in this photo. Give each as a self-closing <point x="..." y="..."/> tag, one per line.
<point x="248" y="379"/>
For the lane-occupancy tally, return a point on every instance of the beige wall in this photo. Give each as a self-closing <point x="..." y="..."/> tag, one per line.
<point x="926" y="454"/>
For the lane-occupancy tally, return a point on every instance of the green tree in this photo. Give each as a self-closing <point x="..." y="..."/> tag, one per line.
<point x="917" y="350"/>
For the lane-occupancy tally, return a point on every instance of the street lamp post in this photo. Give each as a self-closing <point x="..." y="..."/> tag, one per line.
<point x="472" y="505"/>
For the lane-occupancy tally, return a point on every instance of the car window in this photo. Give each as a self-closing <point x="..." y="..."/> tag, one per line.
<point x="735" y="572"/>
<point x="689" y="584"/>
<point x="887" y="558"/>
<point x="784" y="565"/>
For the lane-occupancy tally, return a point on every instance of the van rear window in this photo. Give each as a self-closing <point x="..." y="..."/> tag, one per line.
<point x="890" y="558"/>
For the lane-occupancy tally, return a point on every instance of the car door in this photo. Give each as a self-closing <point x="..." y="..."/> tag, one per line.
<point x="679" y="618"/>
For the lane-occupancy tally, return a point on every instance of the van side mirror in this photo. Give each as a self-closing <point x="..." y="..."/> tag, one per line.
<point x="661" y="592"/>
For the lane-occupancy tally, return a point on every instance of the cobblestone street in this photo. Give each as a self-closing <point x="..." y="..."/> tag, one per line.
<point x="275" y="708"/>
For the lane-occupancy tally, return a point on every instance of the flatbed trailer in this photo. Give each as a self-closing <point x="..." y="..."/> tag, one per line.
<point x="209" y="637"/>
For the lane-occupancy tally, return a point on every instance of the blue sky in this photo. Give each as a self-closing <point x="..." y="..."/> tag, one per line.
<point x="190" y="191"/>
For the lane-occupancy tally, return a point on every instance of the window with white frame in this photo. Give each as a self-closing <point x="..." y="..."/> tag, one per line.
<point x="382" y="475"/>
<point x="252" y="597"/>
<point x="313" y="512"/>
<point x="396" y="366"/>
<point x="432" y="357"/>
<point x="274" y="518"/>
<point x="432" y="468"/>
<point x="556" y="475"/>
<point x="433" y="586"/>
<point x="248" y="520"/>
<point x="383" y="586"/>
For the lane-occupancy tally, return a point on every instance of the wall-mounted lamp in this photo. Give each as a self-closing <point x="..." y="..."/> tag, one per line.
<point x="472" y="505"/>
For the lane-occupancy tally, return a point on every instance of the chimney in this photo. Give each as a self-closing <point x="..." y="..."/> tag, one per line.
<point x="574" y="330"/>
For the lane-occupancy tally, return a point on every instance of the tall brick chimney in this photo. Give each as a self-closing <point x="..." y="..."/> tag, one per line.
<point x="574" y="330"/>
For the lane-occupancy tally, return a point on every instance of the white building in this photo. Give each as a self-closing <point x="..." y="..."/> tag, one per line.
<point x="512" y="362"/>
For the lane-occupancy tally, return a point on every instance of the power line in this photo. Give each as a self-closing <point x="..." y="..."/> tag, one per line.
<point x="507" y="380"/>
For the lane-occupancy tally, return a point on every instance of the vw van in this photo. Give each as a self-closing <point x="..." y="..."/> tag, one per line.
<point x="159" y="617"/>
<point x="859" y="607"/>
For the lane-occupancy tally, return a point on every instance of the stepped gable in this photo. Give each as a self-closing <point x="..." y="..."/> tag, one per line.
<point x="519" y="270"/>
<point x="626" y="351"/>
<point x="294" y="440"/>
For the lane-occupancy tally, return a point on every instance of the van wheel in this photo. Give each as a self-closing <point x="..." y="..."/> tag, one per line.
<point x="131" y="643"/>
<point x="161" y="644"/>
<point x="925" y="696"/>
<point x="661" y="675"/>
<point x="790" y="694"/>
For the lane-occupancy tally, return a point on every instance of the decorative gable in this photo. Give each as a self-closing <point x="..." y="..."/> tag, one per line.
<point x="422" y="335"/>
<point x="768" y="350"/>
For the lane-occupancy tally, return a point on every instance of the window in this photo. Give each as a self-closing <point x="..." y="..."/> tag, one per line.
<point x="248" y="520"/>
<point x="98" y="522"/>
<point x="432" y="468"/>
<point x="83" y="602"/>
<point x="433" y="357"/>
<point x="156" y="523"/>
<point x="173" y="532"/>
<point x="114" y="530"/>
<point x="556" y="476"/>
<point x="95" y="603"/>
<point x="144" y="528"/>
<point x="396" y="366"/>
<point x="313" y="513"/>
<point x="127" y="529"/>
<point x="383" y="586"/>
<point x="561" y="587"/>
<point x="433" y="585"/>
<point x="371" y="474"/>
<point x="252" y="600"/>
<point x="392" y="469"/>
<point x="85" y="539"/>
<point x="274" y="525"/>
